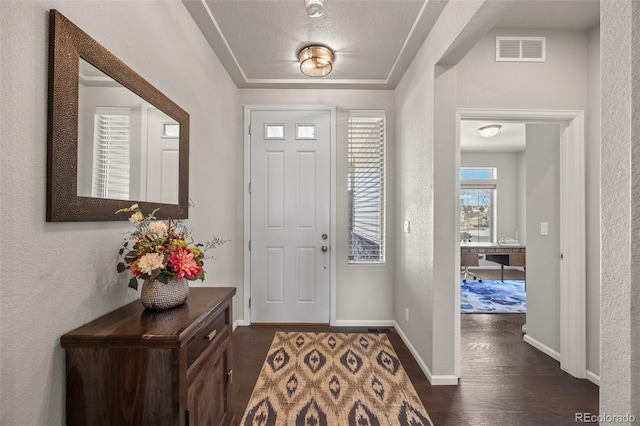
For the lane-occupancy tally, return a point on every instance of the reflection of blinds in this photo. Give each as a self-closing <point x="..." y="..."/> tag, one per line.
<point x="366" y="188"/>
<point x="111" y="145"/>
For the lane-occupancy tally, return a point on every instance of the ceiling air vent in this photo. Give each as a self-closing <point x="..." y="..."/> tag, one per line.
<point x="520" y="49"/>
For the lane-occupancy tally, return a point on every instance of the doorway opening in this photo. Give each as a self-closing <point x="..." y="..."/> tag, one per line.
<point x="571" y="294"/>
<point x="492" y="217"/>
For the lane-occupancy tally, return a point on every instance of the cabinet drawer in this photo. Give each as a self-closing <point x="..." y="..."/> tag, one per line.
<point x="468" y="259"/>
<point x="209" y="334"/>
<point x="518" y="259"/>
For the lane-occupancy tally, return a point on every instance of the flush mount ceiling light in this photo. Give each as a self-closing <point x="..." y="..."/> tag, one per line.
<point x="489" y="131"/>
<point x="315" y="61"/>
<point x="314" y="8"/>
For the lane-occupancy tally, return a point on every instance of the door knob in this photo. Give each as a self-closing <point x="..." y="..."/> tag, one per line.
<point x="324" y="248"/>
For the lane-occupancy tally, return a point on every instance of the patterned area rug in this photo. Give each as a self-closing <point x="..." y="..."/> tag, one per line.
<point x="491" y="296"/>
<point x="333" y="379"/>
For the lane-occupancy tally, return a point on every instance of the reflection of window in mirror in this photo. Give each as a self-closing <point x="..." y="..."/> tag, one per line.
<point x="478" y="191"/>
<point x="144" y="166"/>
<point x="111" y="147"/>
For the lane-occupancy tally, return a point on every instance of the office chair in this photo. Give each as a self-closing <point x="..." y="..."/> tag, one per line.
<point x="465" y="237"/>
<point x="466" y="271"/>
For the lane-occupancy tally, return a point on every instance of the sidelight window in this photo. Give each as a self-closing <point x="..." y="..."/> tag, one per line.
<point x="366" y="186"/>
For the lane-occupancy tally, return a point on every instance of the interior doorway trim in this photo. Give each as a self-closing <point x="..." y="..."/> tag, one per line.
<point x="573" y="346"/>
<point x="248" y="109"/>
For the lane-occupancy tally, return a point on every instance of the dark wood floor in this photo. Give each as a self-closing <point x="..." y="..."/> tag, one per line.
<point x="504" y="381"/>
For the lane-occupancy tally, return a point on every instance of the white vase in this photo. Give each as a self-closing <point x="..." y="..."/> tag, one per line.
<point x="157" y="295"/>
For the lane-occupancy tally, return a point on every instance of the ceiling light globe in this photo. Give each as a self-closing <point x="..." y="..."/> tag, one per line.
<point x="316" y="61"/>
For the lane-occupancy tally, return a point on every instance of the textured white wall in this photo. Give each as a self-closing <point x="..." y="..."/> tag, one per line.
<point x="620" y="227"/>
<point x="543" y="251"/>
<point x="363" y="292"/>
<point x="521" y="177"/>
<point x="446" y="269"/>
<point x="558" y="83"/>
<point x="592" y="201"/>
<point x="58" y="276"/>
<point x="432" y="333"/>
<point x="507" y="186"/>
<point x="635" y="209"/>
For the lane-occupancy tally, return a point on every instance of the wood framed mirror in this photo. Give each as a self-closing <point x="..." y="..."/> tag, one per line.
<point x="112" y="138"/>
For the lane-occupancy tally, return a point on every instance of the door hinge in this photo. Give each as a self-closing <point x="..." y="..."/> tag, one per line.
<point x="187" y="417"/>
<point x="249" y="245"/>
<point x="249" y="303"/>
<point x="249" y="126"/>
<point x="561" y="256"/>
<point x="249" y="187"/>
<point x="230" y="377"/>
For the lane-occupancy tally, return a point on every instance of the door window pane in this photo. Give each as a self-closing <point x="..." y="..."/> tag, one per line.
<point x="305" y="131"/>
<point x="274" y="131"/>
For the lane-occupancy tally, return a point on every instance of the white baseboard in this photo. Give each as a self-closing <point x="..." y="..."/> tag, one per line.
<point x="542" y="347"/>
<point x="363" y="323"/>
<point x="343" y="323"/>
<point x="237" y="323"/>
<point x="593" y="378"/>
<point x="435" y="380"/>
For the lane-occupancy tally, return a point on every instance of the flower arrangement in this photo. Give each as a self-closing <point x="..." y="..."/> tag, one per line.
<point x="161" y="251"/>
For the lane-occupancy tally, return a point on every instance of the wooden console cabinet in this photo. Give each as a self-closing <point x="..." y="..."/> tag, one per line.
<point x="138" y="367"/>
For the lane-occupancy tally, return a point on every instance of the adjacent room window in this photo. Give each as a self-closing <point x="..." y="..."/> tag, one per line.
<point x="366" y="186"/>
<point x="477" y="203"/>
<point x="111" y="147"/>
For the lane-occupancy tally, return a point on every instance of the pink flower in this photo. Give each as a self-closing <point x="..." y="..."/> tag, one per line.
<point x="183" y="264"/>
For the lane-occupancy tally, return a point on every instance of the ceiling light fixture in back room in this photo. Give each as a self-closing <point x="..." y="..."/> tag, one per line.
<point x="489" y="131"/>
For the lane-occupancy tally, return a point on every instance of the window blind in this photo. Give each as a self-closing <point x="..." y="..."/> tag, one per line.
<point x="366" y="185"/>
<point x="111" y="159"/>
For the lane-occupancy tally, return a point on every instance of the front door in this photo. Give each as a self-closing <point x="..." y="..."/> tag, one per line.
<point x="290" y="215"/>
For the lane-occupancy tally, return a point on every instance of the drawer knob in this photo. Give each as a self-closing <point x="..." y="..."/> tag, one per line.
<point x="211" y="335"/>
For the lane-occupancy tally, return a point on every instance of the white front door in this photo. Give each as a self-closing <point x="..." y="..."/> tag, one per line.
<point x="290" y="215"/>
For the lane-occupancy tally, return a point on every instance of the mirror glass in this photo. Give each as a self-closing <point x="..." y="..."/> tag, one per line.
<point x="127" y="148"/>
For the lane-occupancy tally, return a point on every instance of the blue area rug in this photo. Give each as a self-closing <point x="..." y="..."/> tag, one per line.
<point x="491" y="296"/>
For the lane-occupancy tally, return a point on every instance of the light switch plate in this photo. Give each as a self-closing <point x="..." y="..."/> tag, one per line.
<point x="407" y="226"/>
<point x="544" y="228"/>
